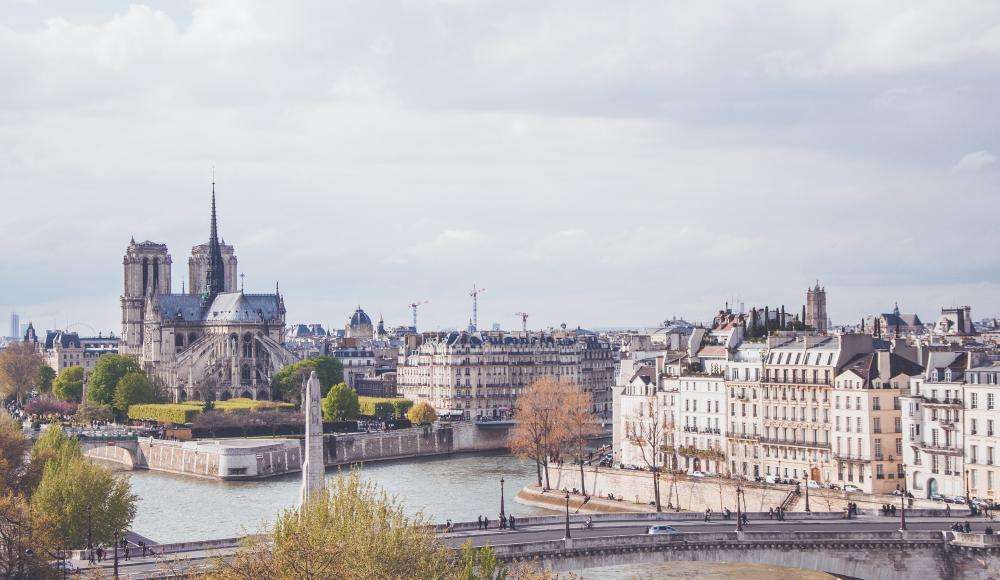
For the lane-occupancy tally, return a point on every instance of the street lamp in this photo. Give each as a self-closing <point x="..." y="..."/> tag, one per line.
<point x="808" y="473"/>
<point x="739" y="512"/>
<point x="567" y="516"/>
<point x="968" y="500"/>
<point x="501" y="501"/>
<point x="902" y="504"/>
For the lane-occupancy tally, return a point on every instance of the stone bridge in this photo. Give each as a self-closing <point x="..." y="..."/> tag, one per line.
<point x="871" y="555"/>
<point x="121" y="450"/>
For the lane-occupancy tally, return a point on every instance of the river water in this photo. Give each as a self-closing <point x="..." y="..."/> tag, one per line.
<point x="175" y="508"/>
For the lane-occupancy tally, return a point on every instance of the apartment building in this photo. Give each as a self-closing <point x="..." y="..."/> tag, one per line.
<point x="700" y="431"/>
<point x="799" y="375"/>
<point x="982" y="421"/>
<point x="744" y="373"/>
<point x="867" y="421"/>
<point x="934" y="447"/>
<point x="480" y="374"/>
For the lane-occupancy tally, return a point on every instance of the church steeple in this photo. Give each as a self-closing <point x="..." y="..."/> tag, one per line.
<point x="215" y="275"/>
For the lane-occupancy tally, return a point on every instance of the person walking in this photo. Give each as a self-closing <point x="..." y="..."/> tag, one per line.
<point x="503" y="523"/>
<point x="126" y="551"/>
<point x="486" y="522"/>
<point x="511" y="520"/>
<point x="480" y="522"/>
<point x="770" y="513"/>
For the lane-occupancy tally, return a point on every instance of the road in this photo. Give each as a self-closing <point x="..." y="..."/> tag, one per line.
<point x="161" y="566"/>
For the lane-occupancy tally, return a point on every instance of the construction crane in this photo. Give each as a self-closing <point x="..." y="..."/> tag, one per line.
<point x="414" y="306"/>
<point x="475" y="305"/>
<point x="524" y="320"/>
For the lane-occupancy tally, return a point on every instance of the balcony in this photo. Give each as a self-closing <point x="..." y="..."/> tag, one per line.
<point x="794" y="443"/>
<point x="943" y="402"/>
<point x="939" y="450"/>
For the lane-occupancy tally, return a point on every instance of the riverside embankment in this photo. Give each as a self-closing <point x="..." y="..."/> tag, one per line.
<point x="255" y="458"/>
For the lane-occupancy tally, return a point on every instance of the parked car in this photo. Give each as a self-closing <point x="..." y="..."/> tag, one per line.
<point x="937" y="497"/>
<point x="662" y="529"/>
<point x="770" y="479"/>
<point x="958" y="499"/>
<point x="697" y="474"/>
<point x="851" y="489"/>
<point x="813" y="485"/>
<point x="897" y="492"/>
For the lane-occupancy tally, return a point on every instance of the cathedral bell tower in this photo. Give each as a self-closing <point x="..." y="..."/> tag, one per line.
<point x="215" y="273"/>
<point x="147" y="274"/>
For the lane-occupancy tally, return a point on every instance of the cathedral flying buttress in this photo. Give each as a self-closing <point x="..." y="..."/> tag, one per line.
<point x="211" y="341"/>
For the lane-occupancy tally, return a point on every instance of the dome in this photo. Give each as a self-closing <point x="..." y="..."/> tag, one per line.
<point x="360" y="319"/>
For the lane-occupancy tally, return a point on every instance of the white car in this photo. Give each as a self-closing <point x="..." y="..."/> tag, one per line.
<point x="851" y="489"/>
<point x="662" y="529"/>
<point x="813" y="485"/>
<point x="697" y="474"/>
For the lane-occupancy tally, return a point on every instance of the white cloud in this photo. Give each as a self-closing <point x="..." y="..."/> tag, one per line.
<point x="975" y="161"/>
<point x="385" y="151"/>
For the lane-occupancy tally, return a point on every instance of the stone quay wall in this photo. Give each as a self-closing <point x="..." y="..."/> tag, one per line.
<point x="256" y="458"/>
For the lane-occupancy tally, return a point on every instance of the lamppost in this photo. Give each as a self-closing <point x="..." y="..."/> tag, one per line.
<point x="90" y="540"/>
<point x="739" y="512"/>
<point x="567" y="516"/>
<point x="902" y="504"/>
<point x="808" y="474"/>
<point x="116" y="553"/>
<point x="502" y="513"/>
<point x="968" y="500"/>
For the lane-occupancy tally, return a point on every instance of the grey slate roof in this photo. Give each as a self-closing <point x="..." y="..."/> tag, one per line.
<point x="225" y="307"/>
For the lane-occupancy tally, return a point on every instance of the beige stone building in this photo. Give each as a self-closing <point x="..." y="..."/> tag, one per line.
<point x="799" y="373"/>
<point x="867" y="421"/>
<point x="480" y="374"/>
<point x="982" y="429"/>
<point x="63" y="349"/>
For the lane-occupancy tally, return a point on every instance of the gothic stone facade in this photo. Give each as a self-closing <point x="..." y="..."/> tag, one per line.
<point x="212" y="340"/>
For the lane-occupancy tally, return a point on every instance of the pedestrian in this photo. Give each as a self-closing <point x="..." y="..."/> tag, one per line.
<point x="706" y="515"/>
<point x="511" y="519"/>
<point x="503" y="523"/>
<point x="947" y="510"/>
<point x="480" y="522"/>
<point x="100" y="553"/>
<point x="968" y="528"/>
<point x="989" y="530"/>
<point x="126" y="552"/>
<point x="486" y="522"/>
<point x="447" y="525"/>
<point x="746" y="520"/>
<point x="770" y="513"/>
<point x="142" y="544"/>
<point x="90" y="556"/>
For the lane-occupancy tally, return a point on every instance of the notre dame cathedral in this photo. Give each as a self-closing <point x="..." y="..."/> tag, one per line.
<point x="213" y="339"/>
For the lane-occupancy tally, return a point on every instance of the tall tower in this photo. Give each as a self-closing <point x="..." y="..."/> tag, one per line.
<point x="215" y="274"/>
<point x="147" y="274"/>
<point x="816" y="308"/>
<point x="202" y="256"/>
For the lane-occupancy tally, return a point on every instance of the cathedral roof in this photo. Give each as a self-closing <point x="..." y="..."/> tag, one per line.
<point x="225" y="307"/>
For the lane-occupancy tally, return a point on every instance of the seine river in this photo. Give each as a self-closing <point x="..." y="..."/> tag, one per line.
<point x="460" y="487"/>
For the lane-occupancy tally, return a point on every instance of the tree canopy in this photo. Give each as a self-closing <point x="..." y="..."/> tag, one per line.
<point x="20" y="365"/>
<point x="354" y="530"/>
<point x="341" y="404"/>
<point x="45" y="377"/>
<point x="133" y="388"/>
<point x="68" y="386"/>
<point x="422" y="414"/>
<point x="287" y="383"/>
<point x="108" y="370"/>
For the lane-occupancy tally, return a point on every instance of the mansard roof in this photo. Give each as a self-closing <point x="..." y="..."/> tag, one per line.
<point x="359" y="318"/>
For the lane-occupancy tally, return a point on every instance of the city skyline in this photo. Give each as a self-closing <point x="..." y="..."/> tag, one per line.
<point x="587" y="166"/>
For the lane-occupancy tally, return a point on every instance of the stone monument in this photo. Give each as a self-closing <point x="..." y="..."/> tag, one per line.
<point x="313" y="469"/>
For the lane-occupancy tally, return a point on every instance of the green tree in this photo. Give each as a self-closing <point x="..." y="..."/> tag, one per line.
<point x="108" y="370"/>
<point x="132" y="389"/>
<point x="75" y="495"/>
<point x="68" y="386"/>
<point x="341" y="404"/>
<point x="90" y="413"/>
<point x="14" y="445"/>
<point x="287" y="383"/>
<point x="45" y="377"/>
<point x="352" y="530"/>
<point x="480" y="563"/>
<point x="422" y="414"/>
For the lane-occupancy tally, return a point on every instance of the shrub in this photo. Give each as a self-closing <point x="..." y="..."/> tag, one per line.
<point x="340" y="403"/>
<point x="165" y="413"/>
<point x="384" y="406"/>
<point x="47" y="405"/>
<point x="422" y="414"/>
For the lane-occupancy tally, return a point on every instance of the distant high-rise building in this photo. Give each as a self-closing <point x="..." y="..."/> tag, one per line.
<point x="15" y="325"/>
<point x="816" y="308"/>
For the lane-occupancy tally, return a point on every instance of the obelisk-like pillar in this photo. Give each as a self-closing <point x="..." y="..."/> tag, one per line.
<point x="313" y="469"/>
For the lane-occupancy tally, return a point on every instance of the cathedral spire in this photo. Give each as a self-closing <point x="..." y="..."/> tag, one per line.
<point x="215" y="276"/>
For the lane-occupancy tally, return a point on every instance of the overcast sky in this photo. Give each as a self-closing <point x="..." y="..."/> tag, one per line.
<point x="594" y="163"/>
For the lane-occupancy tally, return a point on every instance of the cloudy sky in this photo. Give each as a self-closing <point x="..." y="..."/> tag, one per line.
<point x="594" y="163"/>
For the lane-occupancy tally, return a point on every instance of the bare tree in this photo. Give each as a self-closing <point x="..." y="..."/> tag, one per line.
<point x="579" y="425"/>
<point x="20" y="363"/>
<point x="539" y="413"/>
<point x="646" y="433"/>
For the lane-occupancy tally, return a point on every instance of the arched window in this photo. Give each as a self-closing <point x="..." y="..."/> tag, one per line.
<point x="179" y="340"/>
<point x="245" y="375"/>
<point x="247" y="346"/>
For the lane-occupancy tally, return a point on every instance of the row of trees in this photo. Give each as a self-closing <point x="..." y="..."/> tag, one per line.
<point x="52" y="498"/>
<point x="554" y="420"/>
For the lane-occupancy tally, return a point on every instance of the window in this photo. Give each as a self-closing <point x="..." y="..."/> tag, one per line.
<point x="876" y="404"/>
<point x="989" y="400"/>
<point x="972" y="454"/>
<point x="972" y="426"/>
<point x="974" y="400"/>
